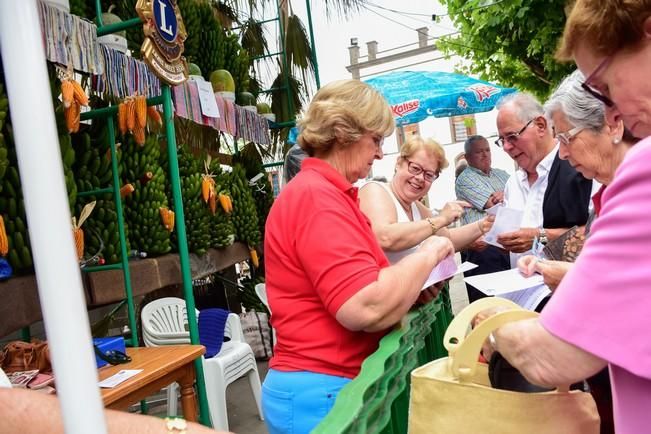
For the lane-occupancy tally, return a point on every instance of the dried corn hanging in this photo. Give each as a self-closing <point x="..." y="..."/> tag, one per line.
<point x="254" y="257"/>
<point x="141" y="111"/>
<point x="153" y="114"/>
<point x="126" y="190"/>
<point x="131" y="113"/>
<point x="78" y="231"/>
<point x="167" y="217"/>
<point x="139" y="135"/>
<point x="226" y="203"/>
<point x="4" y="241"/>
<point x="122" y="118"/>
<point x="79" y="94"/>
<point x="67" y="93"/>
<point x="72" y="116"/>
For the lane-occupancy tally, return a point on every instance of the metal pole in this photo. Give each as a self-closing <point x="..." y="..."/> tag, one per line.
<point x="184" y="255"/>
<point x="46" y="205"/>
<point x="314" y="60"/>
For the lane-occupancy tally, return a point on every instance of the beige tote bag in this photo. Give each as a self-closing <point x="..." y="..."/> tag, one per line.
<point x="453" y="394"/>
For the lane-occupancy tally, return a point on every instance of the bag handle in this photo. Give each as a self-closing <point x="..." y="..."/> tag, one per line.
<point x="464" y="361"/>
<point x="456" y="332"/>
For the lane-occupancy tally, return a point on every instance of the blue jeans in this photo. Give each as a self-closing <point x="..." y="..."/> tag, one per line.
<point x="295" y="402"/>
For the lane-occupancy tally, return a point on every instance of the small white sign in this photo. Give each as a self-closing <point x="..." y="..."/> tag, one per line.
<point x="207" y="99"/>
<point x="118" y="378"/>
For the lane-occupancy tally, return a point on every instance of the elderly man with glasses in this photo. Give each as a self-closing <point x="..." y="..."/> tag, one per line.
<point x="553" y="196"/>
<point x="483" y="187"/>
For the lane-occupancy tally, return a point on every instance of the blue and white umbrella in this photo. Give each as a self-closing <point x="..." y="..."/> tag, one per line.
<point x="416" y="95"/>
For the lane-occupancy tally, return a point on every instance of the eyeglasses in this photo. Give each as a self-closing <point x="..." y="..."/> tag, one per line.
<point x="512" y="137"/>
<point x="566" y="137"/>
<point x="416" y="169"/>
<point x="593" y="91"/>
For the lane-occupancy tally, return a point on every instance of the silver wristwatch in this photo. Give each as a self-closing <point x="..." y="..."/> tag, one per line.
<point x="542" y="236"/>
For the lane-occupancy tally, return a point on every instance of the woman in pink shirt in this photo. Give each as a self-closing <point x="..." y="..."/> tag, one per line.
<point x="600" y="314"/>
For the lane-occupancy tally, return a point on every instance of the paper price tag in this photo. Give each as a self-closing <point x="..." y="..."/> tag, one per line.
<point x="118" y="378"/>
<point x="207" y="99"/>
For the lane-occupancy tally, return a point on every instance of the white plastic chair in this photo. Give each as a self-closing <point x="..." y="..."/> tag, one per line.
<point x="165" y="321"/>
<point x="261" y="292"/>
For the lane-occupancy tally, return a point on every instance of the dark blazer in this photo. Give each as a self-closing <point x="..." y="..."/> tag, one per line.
<point x="566" y="198"/>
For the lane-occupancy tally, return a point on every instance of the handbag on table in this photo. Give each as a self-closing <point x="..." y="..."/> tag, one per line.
<point x="454" y="395"/>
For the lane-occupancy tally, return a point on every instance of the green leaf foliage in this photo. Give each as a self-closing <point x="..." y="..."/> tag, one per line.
<point x="511" y="42"/>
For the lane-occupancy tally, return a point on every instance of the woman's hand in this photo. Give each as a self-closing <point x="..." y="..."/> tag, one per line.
<point x="441" y="247"/>
<point x="430" y="293"/>
<point x="527" y="265"/>
<point x="486" y="223"/>
<point x="452" y="211"/>
<point x="487" y="348"/>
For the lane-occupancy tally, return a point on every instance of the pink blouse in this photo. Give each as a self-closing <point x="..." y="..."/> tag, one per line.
<point x="603" y="305"/>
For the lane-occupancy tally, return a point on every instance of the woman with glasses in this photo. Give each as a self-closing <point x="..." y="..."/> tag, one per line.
<point x="399" y="220"/>
<point x="332" y="293"/>
<point x="599" y="314"/>
<point x="596" y="148"/>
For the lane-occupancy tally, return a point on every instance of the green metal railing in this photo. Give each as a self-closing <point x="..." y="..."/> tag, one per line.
<point x="377" y="400"/>
<point x="109" y="114"/>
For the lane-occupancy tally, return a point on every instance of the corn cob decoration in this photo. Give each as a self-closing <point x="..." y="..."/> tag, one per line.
<point x="78" y="231"/>
<point x="72" y="116"/>
<point x="67" y="93"/>
<point x="122" y="118"/>
<point x="79" y="94"/>
<point x="126" y="190"/>
<point x="254" y="257"/>
<point x="4" y="241"/>
<point x="131" y="113"/>
<point x="153" y="114"/>
<point x="167" y="217"/>
<point x="141" y="111"/>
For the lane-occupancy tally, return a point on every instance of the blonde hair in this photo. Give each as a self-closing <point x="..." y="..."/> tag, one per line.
<point x="430" y="146"/>
<point x="606" y="26"/>
<point x="340" y="113"/>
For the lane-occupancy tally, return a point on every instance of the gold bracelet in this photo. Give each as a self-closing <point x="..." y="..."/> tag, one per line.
<point x="433" y="225"/>
<point x="176" y="425"/>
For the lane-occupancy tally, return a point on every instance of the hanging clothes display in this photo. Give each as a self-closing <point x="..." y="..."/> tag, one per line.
<point x="124" y="76"/>
<point x="69" y="40"/>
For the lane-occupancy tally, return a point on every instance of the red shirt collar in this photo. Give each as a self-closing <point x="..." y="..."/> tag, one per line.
<point x="596" y="199"/>
<point x="330" y="174"/>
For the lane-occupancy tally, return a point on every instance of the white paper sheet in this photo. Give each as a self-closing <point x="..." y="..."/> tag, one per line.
<point x="118" y="378"/>
<point x="503" y="282"/>
<point x="446" y="269"/>
<point x="207" y="99"/>
<point x="528" y="298"/>
<point x="493" y="210"/>
<point x="506" y="220"/>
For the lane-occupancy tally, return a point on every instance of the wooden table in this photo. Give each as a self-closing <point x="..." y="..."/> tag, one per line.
<point x="161" y="366"/>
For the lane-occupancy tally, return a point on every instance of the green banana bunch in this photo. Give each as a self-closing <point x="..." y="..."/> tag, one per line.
<point x="143" y="171"/>
<point x="197" y="215"/>
<point x="244" y="216"/>
<point x="222" y="229"/>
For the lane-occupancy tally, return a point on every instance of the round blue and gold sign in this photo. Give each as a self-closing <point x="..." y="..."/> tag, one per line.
<point x="165" y="18"/>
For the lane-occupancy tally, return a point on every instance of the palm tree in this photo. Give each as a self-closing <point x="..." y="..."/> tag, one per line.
<point x="289" y="93"/>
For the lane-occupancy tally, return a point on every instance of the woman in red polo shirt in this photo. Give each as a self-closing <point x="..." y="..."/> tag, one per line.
<point x="331" y="290"/>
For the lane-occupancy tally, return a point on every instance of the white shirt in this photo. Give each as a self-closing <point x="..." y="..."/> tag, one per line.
<point x="402" y="217"/>
<point x="520" y="195"/>
<point x="4" y="381"/>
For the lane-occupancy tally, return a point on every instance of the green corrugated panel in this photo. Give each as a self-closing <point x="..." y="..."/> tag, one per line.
<point x="377" y="400"/>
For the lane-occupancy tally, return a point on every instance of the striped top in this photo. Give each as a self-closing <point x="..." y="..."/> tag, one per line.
<point x="475" y="186"/>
